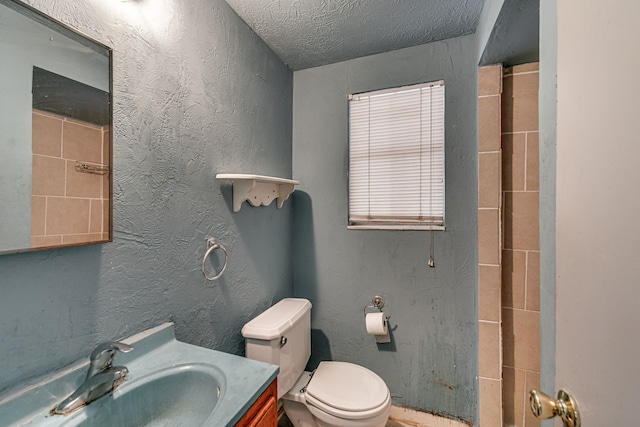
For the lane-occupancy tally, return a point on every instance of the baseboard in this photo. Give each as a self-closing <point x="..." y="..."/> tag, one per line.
<point x="413" y="418"/>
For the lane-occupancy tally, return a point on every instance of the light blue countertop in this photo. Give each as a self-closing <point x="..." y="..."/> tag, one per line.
<point x="241" y="380"/>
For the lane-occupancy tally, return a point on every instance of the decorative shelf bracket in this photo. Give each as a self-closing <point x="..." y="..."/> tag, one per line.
<point x="258" y="190"/>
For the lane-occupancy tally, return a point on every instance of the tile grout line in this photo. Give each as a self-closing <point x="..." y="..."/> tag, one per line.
<point x="520" y="309"/>
<point x="488" y="96"/>
<point x="523" y="73"/>
<point x="527" y="371"/>
<point x="520" y="132"/>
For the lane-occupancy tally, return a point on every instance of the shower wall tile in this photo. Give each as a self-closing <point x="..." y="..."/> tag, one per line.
<point x="489" y="293"/>
<point x="520" y="102"/>
<point x="68" y="206"/>
<point x="513" y="392"/>
<point x="490" y="402"/>
<point x="489" y="123"/>
<point x="490" y="80"/>
<point x="533" y="162"/>
<point x="517" y="383"/>
<point x="520" y="85"/>
<point x="513" y="158"/>
<point x="514" y="271"/>
<point x="489" y="236"/>
<point x="106" y="135"/>
<point x="48" y="176"/>
<point x="489" y="245"/>
<point x="44" y="241"/>
<point x="521" y="347"/>
<point x="533" y="281"/>
<point x="38" y="212"/>
<point x="81" y="142"/>
<point x="106" y="160"/>
<point x="46" y="135"/>
<point x="521" y="220"/>
<point x="520" y="257"/>
<point x="106" y="209"/>
<point x="490" y="347"/>
<point x="81" y="238"/>
<point x="67" y="216"/>
<point x="522" y="68"/>
<point x="105" y="180"/>
<point x="532" y="381"/>
<point x="81" y="184"/>
<point x="95" y="221"/>
<point x="489" y="186"/>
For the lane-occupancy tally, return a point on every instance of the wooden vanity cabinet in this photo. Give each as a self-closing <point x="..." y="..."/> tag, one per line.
<point x="264" y="412"/>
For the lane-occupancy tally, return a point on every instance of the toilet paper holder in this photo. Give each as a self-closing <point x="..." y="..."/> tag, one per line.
<point x="377" y="302"/>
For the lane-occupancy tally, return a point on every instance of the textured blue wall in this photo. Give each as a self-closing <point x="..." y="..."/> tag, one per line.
<point x="432" y="362"/>
<point x="487" y="21"/>
<point x="195" y="93"/>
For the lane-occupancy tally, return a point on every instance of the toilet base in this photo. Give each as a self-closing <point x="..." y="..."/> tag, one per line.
<point x="327" y="420"/>
<point x="298" y="414"/>
<point x="302" y="415"/>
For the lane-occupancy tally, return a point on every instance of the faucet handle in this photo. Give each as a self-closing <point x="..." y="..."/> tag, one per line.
<point x="101" y="358"/>
<point x="108" y="349"/>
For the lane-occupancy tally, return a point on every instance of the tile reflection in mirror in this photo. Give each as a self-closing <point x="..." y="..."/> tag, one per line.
<point x="69" y="202"/>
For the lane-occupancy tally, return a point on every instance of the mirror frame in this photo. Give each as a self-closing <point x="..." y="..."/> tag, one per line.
<point x="42" y="18"/>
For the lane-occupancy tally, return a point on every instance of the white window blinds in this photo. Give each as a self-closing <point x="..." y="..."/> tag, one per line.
<point x="396" y="157"/>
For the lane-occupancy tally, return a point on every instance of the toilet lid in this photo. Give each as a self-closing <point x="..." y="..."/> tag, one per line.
<point x="347" y="388"/>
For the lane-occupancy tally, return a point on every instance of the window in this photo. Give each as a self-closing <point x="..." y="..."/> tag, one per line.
<point x="396" y="158"/>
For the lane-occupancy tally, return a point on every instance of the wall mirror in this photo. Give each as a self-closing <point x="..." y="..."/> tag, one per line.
<point x="55" y="134"/>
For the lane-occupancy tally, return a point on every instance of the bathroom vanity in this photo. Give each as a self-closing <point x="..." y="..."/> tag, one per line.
<point x="264" y="412"/>
<point x="168" y="383"/>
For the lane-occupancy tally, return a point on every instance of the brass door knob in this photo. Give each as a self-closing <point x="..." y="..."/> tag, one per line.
<point x="544" y="406"/>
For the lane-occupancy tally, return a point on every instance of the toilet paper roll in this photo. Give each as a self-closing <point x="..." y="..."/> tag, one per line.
<point x="376" y="324"/>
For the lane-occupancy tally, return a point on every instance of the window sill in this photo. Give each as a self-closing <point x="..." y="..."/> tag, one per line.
<point x="395" y="227"/>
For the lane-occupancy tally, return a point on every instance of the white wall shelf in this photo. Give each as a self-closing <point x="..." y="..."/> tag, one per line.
<point x="258" y="190"/>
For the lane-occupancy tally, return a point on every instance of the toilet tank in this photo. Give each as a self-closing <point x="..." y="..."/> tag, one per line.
<point x="281" y="336"/>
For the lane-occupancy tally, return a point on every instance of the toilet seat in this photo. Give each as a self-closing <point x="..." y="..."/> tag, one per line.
<point x="347" y="391"/>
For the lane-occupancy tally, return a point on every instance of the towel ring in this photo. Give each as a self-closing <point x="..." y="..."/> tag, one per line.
<point x="212" y="246"/>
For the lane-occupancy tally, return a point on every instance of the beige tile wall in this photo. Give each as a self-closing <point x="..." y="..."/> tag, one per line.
<point x="489" y="245"/>
<point x="520" y="252"/>
<point x="508" y="244"/>
<point x="68" y="206"/>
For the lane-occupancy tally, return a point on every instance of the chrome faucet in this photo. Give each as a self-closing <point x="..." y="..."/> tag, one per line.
<point x="102" y="378"/>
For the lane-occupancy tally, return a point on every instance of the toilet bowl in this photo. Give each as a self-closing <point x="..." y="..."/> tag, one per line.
<point x="336" y="394"/>
<point x="339" y="394"/>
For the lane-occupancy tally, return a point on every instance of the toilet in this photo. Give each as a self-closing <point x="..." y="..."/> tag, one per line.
<point x="336" y="394"/>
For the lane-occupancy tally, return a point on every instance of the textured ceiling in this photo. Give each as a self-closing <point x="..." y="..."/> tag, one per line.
<point x="309" y="33"/>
